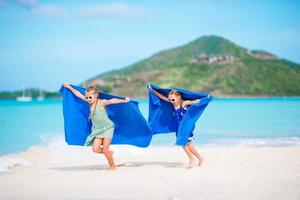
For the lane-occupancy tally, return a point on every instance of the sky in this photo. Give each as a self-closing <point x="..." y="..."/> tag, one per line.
<point x="46" y="43"/>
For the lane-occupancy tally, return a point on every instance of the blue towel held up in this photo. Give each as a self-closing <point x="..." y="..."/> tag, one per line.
<point x="130" y="125"/>
<point x="162" y="120"/>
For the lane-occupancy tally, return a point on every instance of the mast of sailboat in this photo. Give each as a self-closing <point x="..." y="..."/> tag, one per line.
<point x="24" y="97"/>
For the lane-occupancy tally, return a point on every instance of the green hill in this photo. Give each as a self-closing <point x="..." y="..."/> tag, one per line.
<point x="209" y="64"/>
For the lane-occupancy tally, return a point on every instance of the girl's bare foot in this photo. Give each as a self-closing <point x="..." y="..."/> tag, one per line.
<point x="200" y="162"/>
<point x="190" y="166"/>
<point x="111" y="168"/>
<point x="191" y="163"/>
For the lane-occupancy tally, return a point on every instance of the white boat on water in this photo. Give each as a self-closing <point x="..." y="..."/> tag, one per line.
<point x="41" y="96"/>
<point x="24" y="97"/>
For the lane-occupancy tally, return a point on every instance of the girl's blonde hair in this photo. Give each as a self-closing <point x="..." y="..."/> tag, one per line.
<point x="175" y="93"/>
<point x="93" y="89"/>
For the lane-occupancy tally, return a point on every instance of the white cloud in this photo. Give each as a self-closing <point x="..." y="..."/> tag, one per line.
<point x="28" y="4"/>
<point x="46" y="10"/>
<point x="113" y="10"/>
<point x="35" y="8"/>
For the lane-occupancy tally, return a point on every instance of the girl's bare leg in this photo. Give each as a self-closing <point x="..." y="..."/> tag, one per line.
<point x="108" y="154"/>
<point x="97" y="146"/>
<point x="194" y="151"/>
<point x="190" y="155"/>
<point x="97" y="142"/>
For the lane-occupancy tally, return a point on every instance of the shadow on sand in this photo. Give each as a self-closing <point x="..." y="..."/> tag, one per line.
<point x="129" y="164"/>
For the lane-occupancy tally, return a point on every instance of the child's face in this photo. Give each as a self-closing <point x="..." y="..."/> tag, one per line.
<point x="174" y="99"/>
<point x="91" y="97"/>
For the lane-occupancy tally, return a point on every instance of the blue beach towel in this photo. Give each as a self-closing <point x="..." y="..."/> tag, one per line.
<point x="162" y="120"/>
<point x="130" y="125"/>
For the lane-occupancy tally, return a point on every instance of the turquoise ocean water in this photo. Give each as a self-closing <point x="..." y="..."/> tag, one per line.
<point x="225" y="122"/>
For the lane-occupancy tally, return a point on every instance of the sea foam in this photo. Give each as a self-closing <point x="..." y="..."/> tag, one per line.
<point x="56" y="151"/>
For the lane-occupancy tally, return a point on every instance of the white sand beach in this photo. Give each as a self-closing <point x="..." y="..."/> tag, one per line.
<point x="154" y="173"/>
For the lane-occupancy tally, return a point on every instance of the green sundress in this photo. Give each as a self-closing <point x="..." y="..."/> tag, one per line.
<point x="102" y="126"/>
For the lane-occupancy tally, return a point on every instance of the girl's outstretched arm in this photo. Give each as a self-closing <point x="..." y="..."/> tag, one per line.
<point x="189" y="102"/>
<point x="114" y="101"/>
<point x="74" y="91"/>
<point x="159" y="94"/>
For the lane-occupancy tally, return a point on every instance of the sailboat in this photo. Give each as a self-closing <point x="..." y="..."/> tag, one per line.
<point x="23" y="97"/>
<point x="41" y="96"/>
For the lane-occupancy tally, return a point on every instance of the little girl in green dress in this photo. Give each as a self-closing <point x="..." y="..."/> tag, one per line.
<point x="102" y="127"/>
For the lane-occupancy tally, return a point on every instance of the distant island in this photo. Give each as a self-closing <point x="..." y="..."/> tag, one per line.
<point x="209" y="64"/>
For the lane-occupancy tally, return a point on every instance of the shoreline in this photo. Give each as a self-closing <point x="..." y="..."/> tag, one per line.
<point x="251" y="142"/>
<point x="37" y="155"/>
<point x="225" y="97"/>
